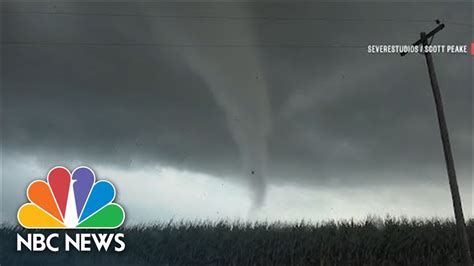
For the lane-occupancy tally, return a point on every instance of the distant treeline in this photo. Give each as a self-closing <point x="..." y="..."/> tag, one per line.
<point x="387" y="241"/>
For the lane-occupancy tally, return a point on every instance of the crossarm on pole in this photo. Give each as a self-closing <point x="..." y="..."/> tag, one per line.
<point x="427" y="36"/>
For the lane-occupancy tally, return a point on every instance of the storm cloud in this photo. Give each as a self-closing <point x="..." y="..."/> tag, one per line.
<point x="227" y="89"/>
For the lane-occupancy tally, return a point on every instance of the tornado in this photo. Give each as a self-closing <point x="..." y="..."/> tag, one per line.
<point x="235" y="78"/>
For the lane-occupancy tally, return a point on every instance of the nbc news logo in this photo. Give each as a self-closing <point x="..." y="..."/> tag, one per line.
<point x="71" y="201"/>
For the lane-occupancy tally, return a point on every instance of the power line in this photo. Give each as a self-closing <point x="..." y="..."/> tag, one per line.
<point x="171" y="45"/>
<point x="232" y="17"/>
<point x="448" y="155"/>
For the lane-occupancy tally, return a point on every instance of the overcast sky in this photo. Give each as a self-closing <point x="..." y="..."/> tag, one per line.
<point x="266" y="111"/>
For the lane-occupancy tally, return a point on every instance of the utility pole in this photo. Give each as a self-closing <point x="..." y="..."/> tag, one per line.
<point x="453" y="184"/>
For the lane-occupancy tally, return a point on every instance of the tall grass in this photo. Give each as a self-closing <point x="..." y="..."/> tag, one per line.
<point x="371" y="242"/>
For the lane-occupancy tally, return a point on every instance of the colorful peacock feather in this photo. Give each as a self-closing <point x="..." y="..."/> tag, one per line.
<point x="71" y="201"/>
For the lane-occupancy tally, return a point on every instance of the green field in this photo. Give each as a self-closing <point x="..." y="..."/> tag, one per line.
<point x="372" y="242"/>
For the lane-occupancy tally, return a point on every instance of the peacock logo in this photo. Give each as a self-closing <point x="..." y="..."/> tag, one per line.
<point x="71" y="200"/>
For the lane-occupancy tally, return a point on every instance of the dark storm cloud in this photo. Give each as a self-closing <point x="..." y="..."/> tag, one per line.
<point x="336" y="113"/>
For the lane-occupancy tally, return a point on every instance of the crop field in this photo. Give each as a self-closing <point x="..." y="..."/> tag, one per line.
<point x="387" y="241"/>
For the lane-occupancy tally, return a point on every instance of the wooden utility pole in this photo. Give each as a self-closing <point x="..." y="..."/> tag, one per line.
<point x="453" y="184"/>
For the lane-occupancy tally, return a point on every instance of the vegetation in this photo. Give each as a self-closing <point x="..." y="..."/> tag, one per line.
<point x="371" y="242"/>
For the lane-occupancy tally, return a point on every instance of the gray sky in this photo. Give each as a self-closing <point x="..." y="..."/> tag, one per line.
<point x="179" y="103"/>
